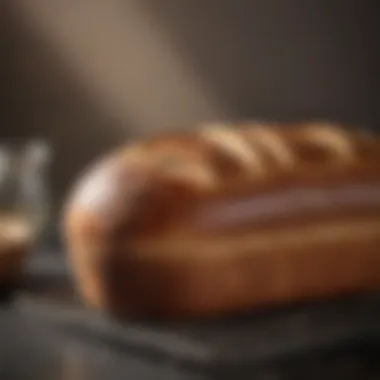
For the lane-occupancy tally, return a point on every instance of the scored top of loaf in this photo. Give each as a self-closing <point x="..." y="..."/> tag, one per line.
<point x="161" y="180"/>
<point x="218" y="153"/>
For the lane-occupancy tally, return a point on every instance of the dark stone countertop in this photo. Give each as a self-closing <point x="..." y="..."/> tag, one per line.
<point x="33" y="349"/>
<point x="28" y="350"/>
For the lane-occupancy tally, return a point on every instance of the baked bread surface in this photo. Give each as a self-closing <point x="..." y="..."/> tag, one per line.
<point x="227" y="218"/>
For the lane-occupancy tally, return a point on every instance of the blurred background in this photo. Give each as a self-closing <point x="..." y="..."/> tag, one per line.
<point x="88" y="74"/>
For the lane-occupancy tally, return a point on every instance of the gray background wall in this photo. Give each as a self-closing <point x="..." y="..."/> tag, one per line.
<point x="88" y="74"/>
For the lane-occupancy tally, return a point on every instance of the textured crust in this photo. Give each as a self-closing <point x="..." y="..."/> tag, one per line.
<point x="215" y="221"/>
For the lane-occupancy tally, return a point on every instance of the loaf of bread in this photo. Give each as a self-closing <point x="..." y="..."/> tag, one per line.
<point x="226" y="219"/>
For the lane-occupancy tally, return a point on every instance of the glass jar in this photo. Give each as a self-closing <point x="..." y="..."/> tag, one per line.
<point x="24" y="203"/>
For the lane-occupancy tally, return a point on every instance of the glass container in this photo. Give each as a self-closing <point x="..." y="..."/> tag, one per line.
<point x="24" y="203"/>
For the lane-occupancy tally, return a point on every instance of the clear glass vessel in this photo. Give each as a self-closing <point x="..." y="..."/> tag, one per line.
<point x="24" y="202"/>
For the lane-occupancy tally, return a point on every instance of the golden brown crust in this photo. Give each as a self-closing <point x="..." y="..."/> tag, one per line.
<point x="139" y="223"/>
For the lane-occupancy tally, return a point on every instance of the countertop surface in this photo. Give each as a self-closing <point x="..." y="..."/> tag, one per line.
<point x="28" y="350"/>
<point x="33" y="349"/>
